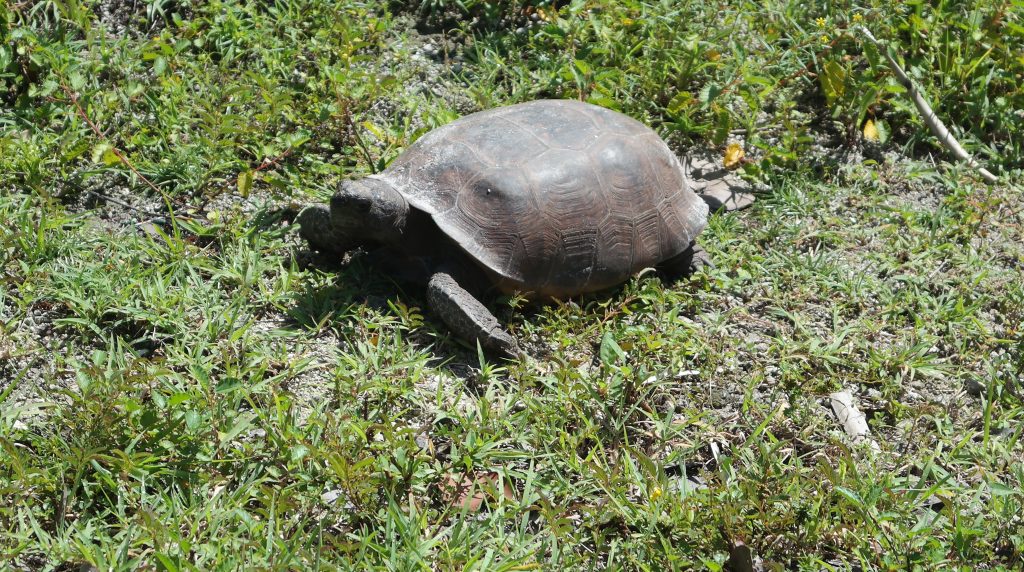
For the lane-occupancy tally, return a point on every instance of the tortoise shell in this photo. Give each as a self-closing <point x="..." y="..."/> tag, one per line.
<point x="553" y="197"/>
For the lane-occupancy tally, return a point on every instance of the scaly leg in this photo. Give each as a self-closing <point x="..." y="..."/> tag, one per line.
<point x="468" y="317"/>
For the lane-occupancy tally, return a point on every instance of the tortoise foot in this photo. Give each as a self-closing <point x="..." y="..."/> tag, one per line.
<point x="686" y="263"/>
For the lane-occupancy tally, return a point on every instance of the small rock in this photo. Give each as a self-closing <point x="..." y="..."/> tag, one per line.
<point x="974" y="387"/>
<point x="423" y="442"/>
<point x="740" y="558"/>
<point x="150" y="229"/>
<point x="330" y="497"/>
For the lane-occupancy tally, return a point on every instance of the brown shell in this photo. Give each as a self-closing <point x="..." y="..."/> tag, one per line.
<point x="553" y="197"/>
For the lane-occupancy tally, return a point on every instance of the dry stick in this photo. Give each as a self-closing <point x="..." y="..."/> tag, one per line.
<point x="99" y="133"/>
<point x="73" y="96"/>
<point x="111" y="199"/>
<point x="934" y="123"/>
<point x="74" y="174"/>
<point x="272" y="162"/>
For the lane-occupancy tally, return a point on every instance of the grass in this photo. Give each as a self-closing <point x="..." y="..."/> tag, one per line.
<point x="180" y="390"/>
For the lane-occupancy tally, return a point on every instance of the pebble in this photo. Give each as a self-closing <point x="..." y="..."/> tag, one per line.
<point x="330" y="497"/>
<point x="974" y="387"/>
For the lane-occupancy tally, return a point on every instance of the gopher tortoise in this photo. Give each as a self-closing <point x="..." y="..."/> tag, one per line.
<point x="550" y="199"/>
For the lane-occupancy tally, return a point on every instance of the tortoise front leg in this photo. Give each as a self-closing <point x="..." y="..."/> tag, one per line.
<point x="467" y="317"/>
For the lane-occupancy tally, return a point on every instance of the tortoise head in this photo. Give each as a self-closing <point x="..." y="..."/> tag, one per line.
<point x="369" y="210"/>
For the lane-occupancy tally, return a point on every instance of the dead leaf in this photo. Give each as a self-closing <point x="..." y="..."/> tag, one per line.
<point x="470" y="491"/>
<point x="854" y="422"/>
<point x="833" y="81"/>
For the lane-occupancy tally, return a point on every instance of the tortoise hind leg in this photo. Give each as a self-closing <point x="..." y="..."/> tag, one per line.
<point x="467" y="317"/>
<point x="686" y="263"/>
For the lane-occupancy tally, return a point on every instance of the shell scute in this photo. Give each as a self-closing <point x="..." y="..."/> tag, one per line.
<point x="561" y="125"/>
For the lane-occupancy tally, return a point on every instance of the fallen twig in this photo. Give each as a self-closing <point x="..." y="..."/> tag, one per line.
<point x="272" y="162"/>
<point x="934" y="123"/>
<point x="111" y="199"/>
<point x="73" y="96"/>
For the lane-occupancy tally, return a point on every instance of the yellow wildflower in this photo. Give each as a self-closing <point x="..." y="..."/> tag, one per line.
<point x="870" y="131"/>
<point x="733" y="156"/>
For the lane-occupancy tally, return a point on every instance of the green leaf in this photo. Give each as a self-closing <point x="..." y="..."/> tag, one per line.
<point x="110" y="157"/>
<point x="228" y="384"/>
<point x="101" y="149"/>
<point x="883" y="131"/>
<point x="603" y="101"/>
<point x="610" y="350"/>
<point x="178" y="399"/>
<point x="851" y="496"/>
<point x="377" y="131"/>
<point x="193" y="419"/>
<point x="245" y="183"/>
<point x="76" y="80"/>
<point x="1000" y="490"/>
<point x="241" y="424"/>
<point x="723" y="124"/>
<point x="833" y="81"/>
<point x="166" y="562"/>
<point x="678" y="104"/>
<point x="159" y="65"/>
<point x="709" y="92"/>
<point x="298" y="452"/>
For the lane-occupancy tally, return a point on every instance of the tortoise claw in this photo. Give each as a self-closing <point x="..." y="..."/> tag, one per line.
<point x="699" y="260"/>
<point x="505" y="345"/>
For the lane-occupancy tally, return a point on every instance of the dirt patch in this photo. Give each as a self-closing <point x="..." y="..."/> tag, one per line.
<point x="137" y="18"/>
<point x="29" y="372"/>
